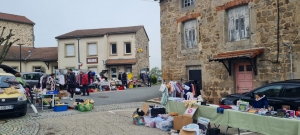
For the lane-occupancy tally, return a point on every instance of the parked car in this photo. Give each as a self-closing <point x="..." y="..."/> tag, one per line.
<point x="278" y="94"/>
<point x="32" y="78"/>
<point x="12" y="103"/>
<point x="159" y="79"/>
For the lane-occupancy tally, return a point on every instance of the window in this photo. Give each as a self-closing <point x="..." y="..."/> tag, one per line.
<point x="92" y="49"/>
<point x="31" y="76"/>
<point x="95" y="69"/>
<point x="127" y="48"/>
<point x="128" y="69"/>
<point x="238" y="23"/>
<point x="36" y="69"/>
<point x="292" y="91"/>
<point x="270" y="91"/>
<point x="187" y="3"/>
<point x="190" y="33"/>
<point x="70" y="50"/>
<point x="113" y="48"/>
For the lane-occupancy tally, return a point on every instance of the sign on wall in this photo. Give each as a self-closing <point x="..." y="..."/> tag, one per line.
<point x="92" y="60"/>
<point x="238" y="24"/>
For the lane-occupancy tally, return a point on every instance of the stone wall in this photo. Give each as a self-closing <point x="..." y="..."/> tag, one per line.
<point x="24" y="32"/>
<point x="212" y="25"/>
<point x="141" y="42"/>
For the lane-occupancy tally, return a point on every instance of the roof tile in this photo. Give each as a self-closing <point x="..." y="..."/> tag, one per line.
<point x="99" y="32"/>
<point x="120" y="61"/>
<point x="250" y="53"/>
<point x="15" y="18"/>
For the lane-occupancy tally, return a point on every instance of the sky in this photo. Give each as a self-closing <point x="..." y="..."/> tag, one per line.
<point x="56" y="17"/>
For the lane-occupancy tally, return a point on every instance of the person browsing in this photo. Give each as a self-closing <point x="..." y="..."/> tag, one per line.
<point x="260" y="101"/>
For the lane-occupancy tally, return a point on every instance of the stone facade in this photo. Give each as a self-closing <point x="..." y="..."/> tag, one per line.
<point x="22" y="31"/>
<point x="212" y="30"/>
<point x="141" y="42"/>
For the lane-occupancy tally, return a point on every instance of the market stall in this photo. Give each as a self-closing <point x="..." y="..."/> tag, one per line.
<point x="254" y="122"/>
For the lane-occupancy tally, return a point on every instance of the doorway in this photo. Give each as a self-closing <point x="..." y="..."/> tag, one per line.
<point x="244" y="77"/>
<point x="113" y="72"/>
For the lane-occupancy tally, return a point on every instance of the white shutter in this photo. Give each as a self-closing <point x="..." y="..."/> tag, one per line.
<point x="92" y="48"/>
<point x="70" y="50"/>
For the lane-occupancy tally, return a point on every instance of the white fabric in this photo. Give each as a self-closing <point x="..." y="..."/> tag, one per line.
<point x="62" y="79"/>
<point x="70" y="49"/>
<point x="92" y="49"/>
<point x="190" y="33"/>
<point x="162" y="87"/>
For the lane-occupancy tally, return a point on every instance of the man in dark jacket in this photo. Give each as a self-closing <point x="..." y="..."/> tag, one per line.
<point x="124" y="79"/>
<point x="71" y="82"/>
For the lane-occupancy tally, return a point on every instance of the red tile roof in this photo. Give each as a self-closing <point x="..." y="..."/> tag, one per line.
<point x="15" y="18"/>
<point x="250" y="53"/>
<point x="44" y="54"/>
<point x="99" y="32"/>
<point x="120" y="61"/>
<point x="31" y="54"/>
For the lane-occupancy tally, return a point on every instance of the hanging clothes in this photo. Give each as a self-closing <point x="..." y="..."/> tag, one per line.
<point x="164" y="97"/>
<point x="193" y="89"/>
<point x="186" y="91"/>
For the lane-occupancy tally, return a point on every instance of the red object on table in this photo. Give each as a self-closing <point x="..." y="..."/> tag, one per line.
<point x="225" y="106"/>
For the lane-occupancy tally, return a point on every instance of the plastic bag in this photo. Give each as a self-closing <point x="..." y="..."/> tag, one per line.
<point x="166" y="125"/>
<point x="147" y="120"/>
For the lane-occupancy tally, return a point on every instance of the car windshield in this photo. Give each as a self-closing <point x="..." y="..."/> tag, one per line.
<point x="4" y="79"/>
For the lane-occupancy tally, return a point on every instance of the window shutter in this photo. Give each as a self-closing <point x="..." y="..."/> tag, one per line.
<point x="92" y="48"/>
<point x="70" y="50"/>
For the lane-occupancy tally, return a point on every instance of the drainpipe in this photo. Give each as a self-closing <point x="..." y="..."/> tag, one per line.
<point x="291" y="59"/>
<point x="278" y="32"/>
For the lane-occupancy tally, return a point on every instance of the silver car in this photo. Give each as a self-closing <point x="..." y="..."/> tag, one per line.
<point x="32" y="78"/>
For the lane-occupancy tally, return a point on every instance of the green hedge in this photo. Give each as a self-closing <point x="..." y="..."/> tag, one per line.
<point x="153" y="79"/>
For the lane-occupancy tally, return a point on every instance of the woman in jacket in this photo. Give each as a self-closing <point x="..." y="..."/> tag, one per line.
<point x="83" y="83"/>
<point x="51" y="82"/>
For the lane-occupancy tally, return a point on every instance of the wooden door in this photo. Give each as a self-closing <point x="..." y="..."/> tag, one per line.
<point x="244" y="77"/>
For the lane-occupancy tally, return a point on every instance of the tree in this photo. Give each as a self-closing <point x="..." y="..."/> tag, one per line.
<point x="6" y="44"/>
<point x="155" y="72"/>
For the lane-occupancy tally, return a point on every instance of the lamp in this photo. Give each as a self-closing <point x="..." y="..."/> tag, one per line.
<point x="20" y="70"/>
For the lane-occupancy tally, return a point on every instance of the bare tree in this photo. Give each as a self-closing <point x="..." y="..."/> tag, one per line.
<point x="6" y="44"/>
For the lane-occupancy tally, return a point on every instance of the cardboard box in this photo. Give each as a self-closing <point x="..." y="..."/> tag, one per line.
<point x="145" y="108"/>
<point x="182" y="132"/>
<point x="185" y="119"/>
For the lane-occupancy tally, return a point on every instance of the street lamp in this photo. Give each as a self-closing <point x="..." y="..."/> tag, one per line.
<point x="291" y="58"/>
<point x="78" y="38"/>
<point x="20" y="58"/>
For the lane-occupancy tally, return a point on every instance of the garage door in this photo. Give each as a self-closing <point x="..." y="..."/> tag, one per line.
<point x="95" y="69"/>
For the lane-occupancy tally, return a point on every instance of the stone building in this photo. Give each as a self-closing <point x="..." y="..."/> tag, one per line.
<point x="113" y="50"/>
<point x="21" y="26"/>
<point x="237" y="44"/>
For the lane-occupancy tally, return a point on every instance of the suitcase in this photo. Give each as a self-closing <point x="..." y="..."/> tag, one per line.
<point x="156" y="111"/>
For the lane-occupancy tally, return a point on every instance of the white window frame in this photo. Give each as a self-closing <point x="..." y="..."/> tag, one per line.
<point x="71" y="54"/>
<point x="125" y="45"/>
<point x="238" y="23"/>
<point x="37" y="69"/>
<point x="92" y="51"/>
<point x="190" y="33"/>
<point x="187" y="3"/>
<point x="112" y="49"/>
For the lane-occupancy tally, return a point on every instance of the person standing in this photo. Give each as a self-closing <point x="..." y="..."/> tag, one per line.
<point x="124" y="79"/>
<point x="71" y="81"/>
<point x="51" y="82"/>
<point x="148" y="78"/>
<point x="83" y="83"/>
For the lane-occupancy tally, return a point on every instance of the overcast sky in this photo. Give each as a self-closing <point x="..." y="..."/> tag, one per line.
<point x="55" y="17"/>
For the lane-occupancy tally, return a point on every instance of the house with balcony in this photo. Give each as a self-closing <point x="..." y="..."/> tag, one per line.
<point x="110" y="50"/>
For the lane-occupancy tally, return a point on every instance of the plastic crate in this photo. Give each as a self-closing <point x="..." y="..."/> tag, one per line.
<point x="60" y="108"/>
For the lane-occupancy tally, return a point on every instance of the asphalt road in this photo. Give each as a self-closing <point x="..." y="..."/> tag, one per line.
<point x="115" y="97"/>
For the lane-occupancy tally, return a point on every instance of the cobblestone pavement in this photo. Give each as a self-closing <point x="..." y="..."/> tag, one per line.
<point x="114" y="119"/>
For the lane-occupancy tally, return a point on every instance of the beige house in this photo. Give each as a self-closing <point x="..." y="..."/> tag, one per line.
<point x="32" y="59"/>
<point x="237" y="45"/>
<point x="110" y="50"/>
<point x="21" y="26"/>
